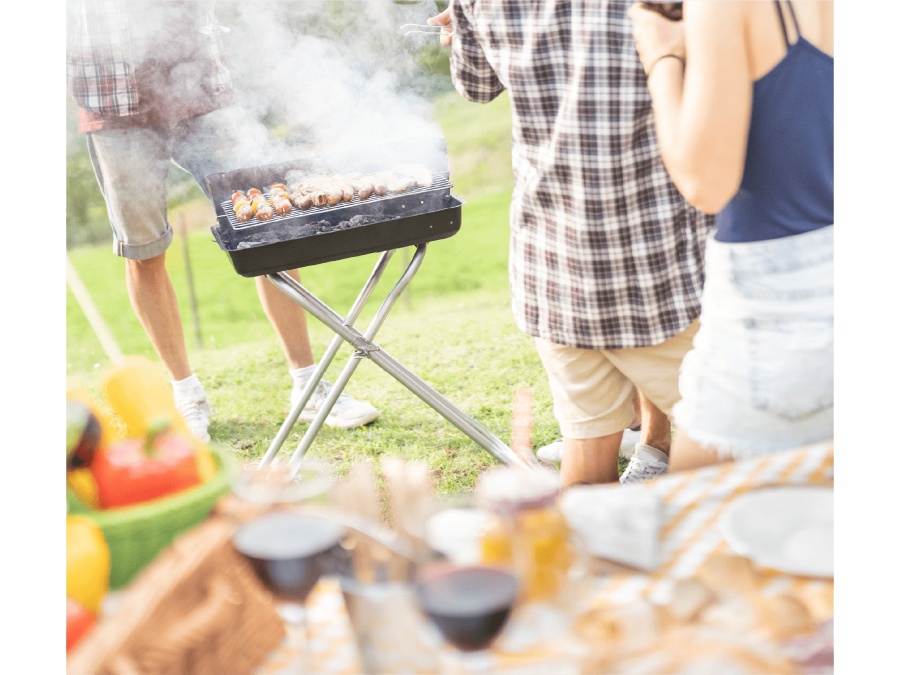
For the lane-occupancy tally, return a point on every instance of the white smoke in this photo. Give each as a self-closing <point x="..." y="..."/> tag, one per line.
<point x="315" y="76"/>
<point x="336" y="77"/>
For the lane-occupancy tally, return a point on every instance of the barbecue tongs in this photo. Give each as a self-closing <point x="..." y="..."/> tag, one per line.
<point x="425" y="29"/>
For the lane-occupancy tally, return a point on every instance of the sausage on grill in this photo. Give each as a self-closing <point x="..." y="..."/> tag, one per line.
<point x="334" y="195"/>
<point x="301" y="201"/>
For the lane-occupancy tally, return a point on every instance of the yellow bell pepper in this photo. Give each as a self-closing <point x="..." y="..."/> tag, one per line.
<point x="82" y="483"/>
<point x="138" y="393"/>
<point x="87" y="562"/>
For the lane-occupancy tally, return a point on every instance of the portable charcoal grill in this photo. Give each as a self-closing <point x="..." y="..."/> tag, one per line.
<point x="328" y="233"/>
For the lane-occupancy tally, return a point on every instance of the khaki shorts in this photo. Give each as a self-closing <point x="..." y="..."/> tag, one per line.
<point x="593" y="389"/>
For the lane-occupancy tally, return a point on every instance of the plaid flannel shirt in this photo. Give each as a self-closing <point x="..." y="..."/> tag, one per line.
<point x="100" y="67"/>
<point x="604" y="252"/>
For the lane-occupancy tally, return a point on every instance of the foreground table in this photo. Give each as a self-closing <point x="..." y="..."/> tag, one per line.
<point x="693" y="502"/>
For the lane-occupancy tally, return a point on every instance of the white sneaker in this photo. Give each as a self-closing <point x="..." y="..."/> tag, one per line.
<point x="347" y="412"/>
<point x="646" y="462"/>
<point x="195" y="411"/>
<point x="552" y="454"/>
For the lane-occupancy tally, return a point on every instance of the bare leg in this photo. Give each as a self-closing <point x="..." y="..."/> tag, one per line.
<point x="638" y="409"/>
<point x="154" y="302"/>
<point x="591" y="460"/>
<point x="289" y="321"/>
<point x="656" y="430"/>
<point x="688" y="454"/>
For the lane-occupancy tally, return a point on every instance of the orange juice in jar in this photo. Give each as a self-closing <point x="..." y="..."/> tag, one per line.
<point x="527" y="528"/>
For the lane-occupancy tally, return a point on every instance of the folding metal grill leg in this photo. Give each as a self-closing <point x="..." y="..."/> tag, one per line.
<point x="324" y="362"/>
<point x="365" y="348"/>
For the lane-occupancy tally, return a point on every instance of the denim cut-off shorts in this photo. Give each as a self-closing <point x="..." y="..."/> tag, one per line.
<point x="132" y="167"/>
<point x="760" y="376"/>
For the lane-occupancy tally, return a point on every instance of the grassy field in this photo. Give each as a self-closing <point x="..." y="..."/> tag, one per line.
<point x="453" y="327"/>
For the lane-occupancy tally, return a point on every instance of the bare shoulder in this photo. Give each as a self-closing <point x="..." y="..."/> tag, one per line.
<point x="814" y="18"/>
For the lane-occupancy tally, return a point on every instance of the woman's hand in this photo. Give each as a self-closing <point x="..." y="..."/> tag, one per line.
<point x="655" y="36"/>
<point x="443" y="19"/>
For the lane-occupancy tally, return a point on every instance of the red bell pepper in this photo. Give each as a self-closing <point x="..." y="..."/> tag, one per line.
<point x="78" y="622"/>
<point x="135" y="470"/>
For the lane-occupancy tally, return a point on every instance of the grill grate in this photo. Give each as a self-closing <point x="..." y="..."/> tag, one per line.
<point x="440" y="182"/>
<point x="325" y="233"/>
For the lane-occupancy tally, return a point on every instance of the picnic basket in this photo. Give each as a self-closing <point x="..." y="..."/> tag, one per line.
<point x="137" y="534"/>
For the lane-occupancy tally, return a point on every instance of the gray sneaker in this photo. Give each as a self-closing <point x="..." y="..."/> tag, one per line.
<point x="552" y="454"/>
<point x="646" y="462"/>
<point x="195" y="411"/>
<point x="347" y="412"/>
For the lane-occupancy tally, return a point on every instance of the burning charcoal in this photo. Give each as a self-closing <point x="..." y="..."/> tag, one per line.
<point x="260" y="239"/>
<point x="270" y="237"/>
<point x="323" y="226"/>
<point x="362" y="219"/>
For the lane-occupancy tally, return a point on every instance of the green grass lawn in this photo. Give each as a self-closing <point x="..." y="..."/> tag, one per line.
<point x="453" y="327"/>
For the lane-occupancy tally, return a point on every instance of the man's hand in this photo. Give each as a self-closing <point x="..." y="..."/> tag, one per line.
<point x="443" y="19"/>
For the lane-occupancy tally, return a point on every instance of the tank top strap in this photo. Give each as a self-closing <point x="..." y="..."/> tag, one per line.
<point x="787" y="41"/>
<point x="794" y="18"/>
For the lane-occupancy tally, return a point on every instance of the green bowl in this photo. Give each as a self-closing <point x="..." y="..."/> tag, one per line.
<point x="137" y="534"/>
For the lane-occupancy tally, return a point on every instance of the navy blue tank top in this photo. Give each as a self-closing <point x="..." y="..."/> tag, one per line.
<point x="788" y="183"/>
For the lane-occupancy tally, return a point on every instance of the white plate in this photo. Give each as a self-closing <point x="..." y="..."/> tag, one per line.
<point x="790" y="529"/>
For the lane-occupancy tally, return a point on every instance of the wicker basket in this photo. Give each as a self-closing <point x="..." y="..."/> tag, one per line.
<point x="137" y="534"/>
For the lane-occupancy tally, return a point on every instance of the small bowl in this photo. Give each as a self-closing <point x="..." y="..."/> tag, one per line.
<point x="273" y="486"/>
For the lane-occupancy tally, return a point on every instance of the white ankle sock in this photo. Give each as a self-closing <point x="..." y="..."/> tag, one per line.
<point x="648" y="452"/>
<point x="189" y="387"/>
<point x="302" y="374"/>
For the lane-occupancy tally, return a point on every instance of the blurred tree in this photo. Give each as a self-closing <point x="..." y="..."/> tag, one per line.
<point x="86" y="221"/>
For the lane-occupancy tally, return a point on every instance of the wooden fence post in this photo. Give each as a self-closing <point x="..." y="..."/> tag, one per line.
<point x="195" y="317"/>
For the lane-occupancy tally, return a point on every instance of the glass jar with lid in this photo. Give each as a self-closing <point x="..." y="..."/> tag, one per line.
<point x="526" y="527"/>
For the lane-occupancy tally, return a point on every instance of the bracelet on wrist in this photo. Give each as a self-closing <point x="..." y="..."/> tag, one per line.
<point x="665" y="56"/>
